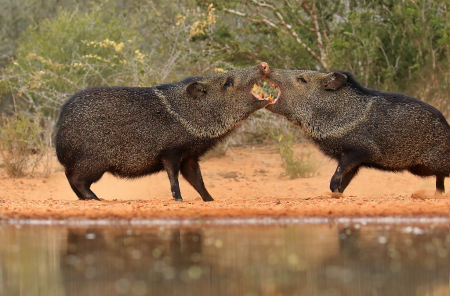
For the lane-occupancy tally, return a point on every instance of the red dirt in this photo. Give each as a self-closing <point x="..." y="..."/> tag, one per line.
<point x="245" y="182"/>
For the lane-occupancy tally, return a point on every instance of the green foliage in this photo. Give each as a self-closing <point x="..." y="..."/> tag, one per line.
<point x="294" y="167"/>
<point x="390" y="45"/>
<point x="80" y="49"/>
<point x="22" y="144"/>
<point x="16" y="16"/>
<point x="387" y="44"/>
<point x="52" y="62"/>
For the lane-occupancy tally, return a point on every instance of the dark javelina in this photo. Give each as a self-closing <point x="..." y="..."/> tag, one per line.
<point x="361" y="127"/>
<point x="136" y="131"/>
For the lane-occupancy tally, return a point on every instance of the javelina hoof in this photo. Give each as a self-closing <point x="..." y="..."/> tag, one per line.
<point x="178" y="199"/>
<point x="208" y="199"/>
<point x="337" y="195"/>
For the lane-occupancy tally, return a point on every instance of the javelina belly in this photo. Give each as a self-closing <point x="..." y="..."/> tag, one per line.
<point x="132" y="132"/>
<point x="361" y="127"/>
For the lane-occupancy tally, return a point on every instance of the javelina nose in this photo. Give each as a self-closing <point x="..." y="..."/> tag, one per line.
<point x="265" y="67"/>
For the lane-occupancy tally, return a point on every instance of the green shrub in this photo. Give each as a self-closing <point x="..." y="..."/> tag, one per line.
<point x="101" y="47"/>
<point x="295" y="167"/>
<point x="23" y="145"/>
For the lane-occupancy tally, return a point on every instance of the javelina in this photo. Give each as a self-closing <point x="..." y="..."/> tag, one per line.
<point x="136" y="131"/>
<point x="361" y="127"/>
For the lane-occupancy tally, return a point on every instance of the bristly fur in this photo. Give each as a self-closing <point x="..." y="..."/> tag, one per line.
<point x="135" y="131"/>
<point x="393" y="96"/>
<point x="362" y="127"/>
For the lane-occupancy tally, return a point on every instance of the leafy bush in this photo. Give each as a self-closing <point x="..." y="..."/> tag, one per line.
<point x="295" y="167"/>
<point x="77" y="50"/>
<point x="23" y="145"/>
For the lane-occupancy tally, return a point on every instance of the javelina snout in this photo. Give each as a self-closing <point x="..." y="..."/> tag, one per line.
<point x="136" y="131"/>
<point x="301" y="84"/>
<point x="361" y="127"/>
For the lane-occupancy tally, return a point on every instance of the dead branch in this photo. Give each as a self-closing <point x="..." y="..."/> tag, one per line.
<point x="321" y="57"/>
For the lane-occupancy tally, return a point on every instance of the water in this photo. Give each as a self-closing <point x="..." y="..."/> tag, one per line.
<point x="225" y="259"/>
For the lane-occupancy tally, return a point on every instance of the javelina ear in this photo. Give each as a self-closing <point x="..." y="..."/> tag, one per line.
<point x="196" y="89"/>
<point x="334" y="81"/>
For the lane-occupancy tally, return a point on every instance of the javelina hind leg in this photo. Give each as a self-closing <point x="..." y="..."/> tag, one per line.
<point x="347" y="168"/>
<point x="191" y="172"/>
<point x="172" y="167"/>
<point x="81" y="187"/>
<point x="440" y="188"/>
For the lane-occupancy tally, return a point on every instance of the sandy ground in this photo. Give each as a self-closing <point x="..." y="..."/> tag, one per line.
<point x="246" y="182"/>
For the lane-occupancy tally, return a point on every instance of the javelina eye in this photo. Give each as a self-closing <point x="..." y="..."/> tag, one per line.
<point x="228" y="83"/>
<point x="301" y="79"/>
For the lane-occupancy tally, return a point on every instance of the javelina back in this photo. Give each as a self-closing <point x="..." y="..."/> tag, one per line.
<point x="362" y="127"/>
<point x="136" y="131"/>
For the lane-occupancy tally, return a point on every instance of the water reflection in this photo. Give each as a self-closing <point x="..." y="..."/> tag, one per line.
<point x="225" y="260"/>
<point x="130" y="261"/>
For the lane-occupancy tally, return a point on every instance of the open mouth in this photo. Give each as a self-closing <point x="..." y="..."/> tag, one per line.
<point x="266" y="91"/>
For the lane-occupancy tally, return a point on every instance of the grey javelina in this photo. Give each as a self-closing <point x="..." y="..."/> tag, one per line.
<point x="136" y="131"/>
<point x="361" y="127"/>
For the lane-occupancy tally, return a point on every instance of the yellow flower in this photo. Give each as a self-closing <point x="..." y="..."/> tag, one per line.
<point x="181" y="19"/>
<point x="211" y="18"/>
<point x="118" y="47"/>
<point x="197" y="29"/>
<point x="140" y="56"/>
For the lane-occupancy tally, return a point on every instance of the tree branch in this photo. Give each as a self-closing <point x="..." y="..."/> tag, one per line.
<point x="263" y="19"/>
<point x="313" y="14"/>
<point x="305" y="26"/>
<point x="234" y="12"/>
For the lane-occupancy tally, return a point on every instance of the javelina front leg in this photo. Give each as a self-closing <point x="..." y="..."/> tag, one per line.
<point x="348" y="177"/>
<point x="440" y="188"/>
<point x="347" y="168"/>
<point x="172" y="167"/>
<point x="191" y="172"/>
